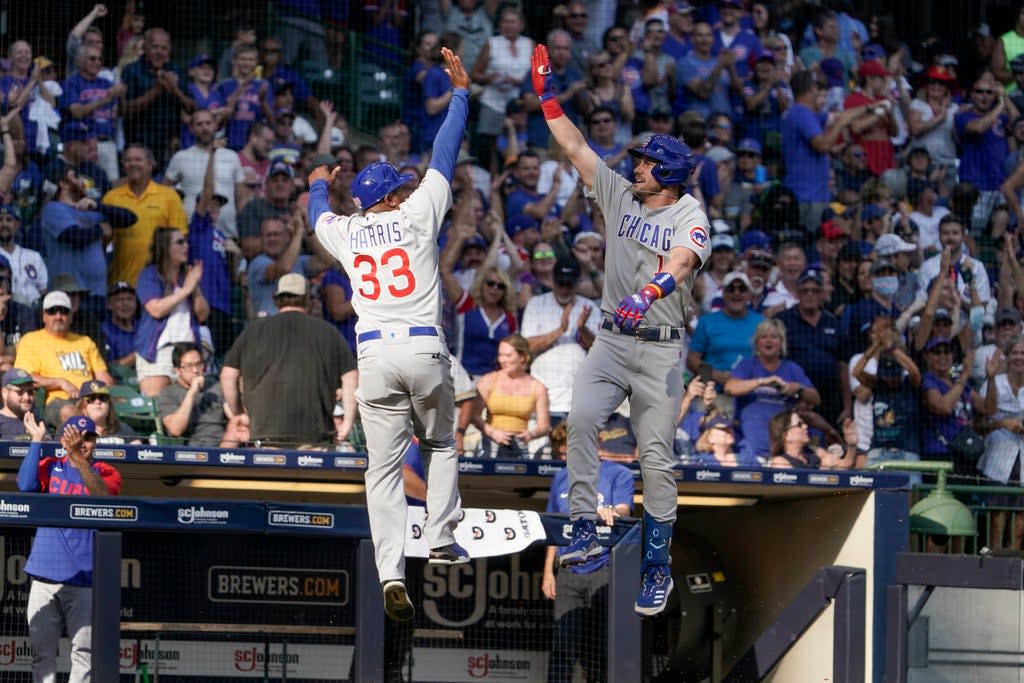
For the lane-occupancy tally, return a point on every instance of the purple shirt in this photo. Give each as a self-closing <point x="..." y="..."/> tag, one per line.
<point x="947" y="426"/>
<point x="248" y="109"/>
<point x="756" y="409"/>
<point x="80" y="90"/>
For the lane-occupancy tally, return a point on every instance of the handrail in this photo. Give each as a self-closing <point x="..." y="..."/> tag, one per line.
<point x="847" y="587"/>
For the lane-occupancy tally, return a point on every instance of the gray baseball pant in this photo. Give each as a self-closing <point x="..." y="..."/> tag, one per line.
<point x="651" y="375"/>
<point x="48" y="603"/>
<point x="405" y="388"/>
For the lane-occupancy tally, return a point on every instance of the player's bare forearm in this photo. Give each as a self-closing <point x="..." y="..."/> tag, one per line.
<point x="681" y="263"/>
<point x="576" y="149"/>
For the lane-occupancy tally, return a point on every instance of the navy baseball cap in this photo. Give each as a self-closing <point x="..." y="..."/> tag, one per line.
<point x="202" y="59"/>
<point x="719" y="421"/>
<point x="93" y="386"/>
<point x="871" y="212"/>
<point x="10" y="210"/>
<point x="476" y="241"/>
<point x="755" y="239"/>
<point x="516" y="224"/>
<point x="81" y="423"/>
<point x="17" y="377"/>
<point x="567" y="270"/>
<point x="749" y="145"/>
<point x="118" y="287"/>
<point x="281" y="168"/>
<point x="76" y="131"/>
<point x="810" y="274"/>
<point x="935" y="342"/>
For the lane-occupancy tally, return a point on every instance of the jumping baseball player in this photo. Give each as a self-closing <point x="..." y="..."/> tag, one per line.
<point x="390" y="252"/>
<point x="60" y="563"/>
<point x="657" y="241"/>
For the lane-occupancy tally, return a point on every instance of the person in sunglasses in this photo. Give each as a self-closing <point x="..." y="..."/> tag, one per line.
<point x="94" y="403"/>
<point x="981" y="130"/>
<point x="59" y="360"/>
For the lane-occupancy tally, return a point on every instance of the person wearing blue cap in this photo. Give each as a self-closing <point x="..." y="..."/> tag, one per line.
<point x="749" y="171"/>
<point x="202" y="88"/>
<point x="812" y="335"/>
<point x="60" y="563"/>
<point x="79" y="139"/>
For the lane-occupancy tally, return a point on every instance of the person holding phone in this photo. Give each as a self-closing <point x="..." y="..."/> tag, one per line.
<point x="765" y="385"/>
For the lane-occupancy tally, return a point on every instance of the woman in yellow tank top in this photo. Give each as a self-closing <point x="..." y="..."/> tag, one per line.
<point x="512" y="397"/>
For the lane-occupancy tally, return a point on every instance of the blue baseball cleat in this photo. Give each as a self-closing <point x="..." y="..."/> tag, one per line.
<point x="584" y="545"/>
<point x="449" y="554"/>
<point x="655" y="587"/>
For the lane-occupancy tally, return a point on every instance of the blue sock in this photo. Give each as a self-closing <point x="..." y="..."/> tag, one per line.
<point x="657" y="541"/>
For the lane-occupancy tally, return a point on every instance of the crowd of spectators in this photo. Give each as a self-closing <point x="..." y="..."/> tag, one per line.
<point x="864" y="195"/>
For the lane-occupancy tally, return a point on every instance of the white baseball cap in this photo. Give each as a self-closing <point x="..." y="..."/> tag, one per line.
<point x="720" y="226"/>
<point x="56" y="298"/>
<point x="890" y="245"/>
<point x="721" y="241"/>
<point x="291" y="283"/>
<point x="733" y="277"/>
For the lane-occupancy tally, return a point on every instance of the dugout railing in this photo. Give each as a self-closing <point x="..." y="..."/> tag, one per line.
<point x="747" y="540"/>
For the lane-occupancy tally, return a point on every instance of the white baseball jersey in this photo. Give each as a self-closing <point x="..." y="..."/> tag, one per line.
<point x="29" y="274"/>
<point x="639" y="241"/>
<point x="391" y="257"/>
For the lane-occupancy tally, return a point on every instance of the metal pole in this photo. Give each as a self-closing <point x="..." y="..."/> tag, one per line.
<point x="368" y="664"/>
<point x="849" y="628"/>
<point x="897" y="634"/>
<point x="106" y="605"/>
<point x="624" y="641"/>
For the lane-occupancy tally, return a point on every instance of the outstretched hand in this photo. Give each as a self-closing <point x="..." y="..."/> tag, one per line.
<point x="540" y="72"/>
<point x="454" y="68"/>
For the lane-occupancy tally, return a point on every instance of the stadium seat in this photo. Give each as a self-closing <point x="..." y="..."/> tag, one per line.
<point x="137" y="410"/>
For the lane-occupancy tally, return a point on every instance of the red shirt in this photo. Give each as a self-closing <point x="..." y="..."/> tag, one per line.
<point x="875" y="141"/>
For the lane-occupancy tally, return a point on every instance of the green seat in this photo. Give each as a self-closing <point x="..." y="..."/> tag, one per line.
<point x="124" y="375"/>
<point x="137" y="410"/>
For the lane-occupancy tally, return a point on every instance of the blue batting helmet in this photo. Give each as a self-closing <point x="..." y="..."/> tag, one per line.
<point x="674" y="159"/>
<point x="375" y="182"/>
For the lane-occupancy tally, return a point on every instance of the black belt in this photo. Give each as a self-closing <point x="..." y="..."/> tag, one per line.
<point x="643" y="333"/>
<point x="413" y="332"/>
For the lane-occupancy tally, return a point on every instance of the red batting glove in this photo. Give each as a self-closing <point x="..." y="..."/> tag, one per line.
<point x="543" y="85"/>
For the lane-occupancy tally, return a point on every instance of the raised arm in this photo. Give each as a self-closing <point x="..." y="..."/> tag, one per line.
<point x="449" y="137"/>
<point x="562" y="128"/>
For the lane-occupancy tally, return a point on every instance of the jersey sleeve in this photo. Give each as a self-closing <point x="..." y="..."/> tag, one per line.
<point x="692" y="229"/>
<point x="425" y="208"/>
<point x="110" y="476"/>
<point x="610" y="189"/>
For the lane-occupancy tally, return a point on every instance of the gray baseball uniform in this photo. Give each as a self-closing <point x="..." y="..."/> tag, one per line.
<point x="405" y="381"/>
<point x="650" y="373"/>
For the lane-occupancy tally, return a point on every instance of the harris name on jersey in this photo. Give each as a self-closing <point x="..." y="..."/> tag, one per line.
<point x="375" y="235"/>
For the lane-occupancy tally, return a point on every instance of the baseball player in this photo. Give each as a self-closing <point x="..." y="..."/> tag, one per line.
<point x="657" y="241"/>
<point x="60" y="563"/>
<point x="390" y="252"/>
